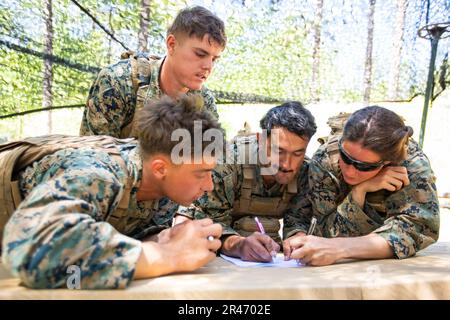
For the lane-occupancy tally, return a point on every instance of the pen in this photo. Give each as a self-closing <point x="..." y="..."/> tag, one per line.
<point x="311" y="229"/>
<point x="260" y="226"/>
<point x="312" y="226"/>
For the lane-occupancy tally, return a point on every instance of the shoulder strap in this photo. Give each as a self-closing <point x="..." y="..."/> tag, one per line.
<point x="333" y="151"/>
<point x="247" y="148"/>
<point x="141" y="68"/>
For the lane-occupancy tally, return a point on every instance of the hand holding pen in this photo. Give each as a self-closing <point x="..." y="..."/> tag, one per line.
<point x="273" y="253"/>
<point x="288" y="244"/>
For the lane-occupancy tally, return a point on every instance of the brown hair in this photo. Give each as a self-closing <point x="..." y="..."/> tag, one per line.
<point x="160" y="117"/>
<point x="380" y="130"/>
<point x="199" y="21"/>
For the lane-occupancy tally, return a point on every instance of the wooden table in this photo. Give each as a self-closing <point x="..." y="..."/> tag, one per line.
<point x="426" y="276"/>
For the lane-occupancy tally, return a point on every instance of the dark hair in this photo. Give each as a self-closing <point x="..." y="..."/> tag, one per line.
<point x="199" y="21"/>
<point x="292" y="116"/>
<point x="380" y="130"/>
<point x="160" y="117"/>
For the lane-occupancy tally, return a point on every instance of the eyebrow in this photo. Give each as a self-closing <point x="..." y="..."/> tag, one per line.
<point x="205" y="52"/>
<point x="298" y="150"/>
<point x="203" y="170"/>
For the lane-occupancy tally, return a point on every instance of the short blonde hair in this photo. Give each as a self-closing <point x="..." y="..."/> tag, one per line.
<point x="160" y="117"/>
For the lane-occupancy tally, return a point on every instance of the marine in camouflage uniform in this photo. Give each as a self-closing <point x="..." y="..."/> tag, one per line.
<point x="88" y="201"/>
<point x="122" y="88"/>
<point x="67" y="218"/>
<point x="240" y="194"/>
<point x="408" y="219"/>
<point x="247" y="186"/>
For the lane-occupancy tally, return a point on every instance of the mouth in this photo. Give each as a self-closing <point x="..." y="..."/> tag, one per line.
<point x="197" y="197"/>
<point x="202" y="76"/>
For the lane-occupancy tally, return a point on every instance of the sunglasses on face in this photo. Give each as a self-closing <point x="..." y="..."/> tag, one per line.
<point x="359" y="165"/>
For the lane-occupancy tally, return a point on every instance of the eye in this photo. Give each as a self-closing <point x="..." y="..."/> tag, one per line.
<point x="299" y="153"/>
<point x="200" y="54"/>
<point x="200" y="175"/>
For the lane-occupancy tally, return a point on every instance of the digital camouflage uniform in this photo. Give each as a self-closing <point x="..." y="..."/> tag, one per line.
<point x="408" y="219"/>
<point x="224" y="204"/>
<point x="67" y="198"/>
<point x="118" y="92"/>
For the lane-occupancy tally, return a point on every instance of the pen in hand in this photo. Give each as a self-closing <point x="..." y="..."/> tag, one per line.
<point x="312" y="226"/>
<point x="311" y="229"/>
<point x="262" y="231"/>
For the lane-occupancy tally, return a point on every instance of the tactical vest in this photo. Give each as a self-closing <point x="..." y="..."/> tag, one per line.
<point x="268" y="209"/>
<point x="17" y="155"/>
<point x="141" y="69"/>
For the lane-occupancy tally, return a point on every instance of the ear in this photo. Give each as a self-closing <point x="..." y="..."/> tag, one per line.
<point x="159" y="168"/>
<point x="170" y="43"/>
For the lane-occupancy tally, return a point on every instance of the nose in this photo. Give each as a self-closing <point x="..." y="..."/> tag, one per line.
<point x="208" y="64"/>
<point x="286" y="161"/>
<point x="209" y="184"/>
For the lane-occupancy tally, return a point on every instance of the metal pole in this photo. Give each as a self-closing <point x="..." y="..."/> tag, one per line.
<point x="429" y="89"/>
<point x="434" y="32"/>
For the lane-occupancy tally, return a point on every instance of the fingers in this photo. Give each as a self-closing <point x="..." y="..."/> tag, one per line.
<point x="395" y="178"/>
<point x="214" y="230"/>
<point x="299" y="254"/>
<point x="296" y="242"/>
<point x="287" y="249"/>
<point x="270" y="245"/>
<point x="260" y="253"/>
<point x="213" y="245"/>
<point x="287" y="244"/>
<point x="255" y="250"/>
<point x="398" y="169"/>
<point x="204" y="222"/>
<point x="400" y="173"/>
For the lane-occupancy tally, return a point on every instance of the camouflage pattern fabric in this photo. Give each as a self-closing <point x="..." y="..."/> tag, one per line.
<point x="67" y="196"/>
<point x="228" y="179"/>
<point x="111" y="103"/>
<point x="408" y="219"/>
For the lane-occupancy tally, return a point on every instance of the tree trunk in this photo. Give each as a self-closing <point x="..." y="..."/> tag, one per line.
<point x="368" y="64"/>
<point x="110" y="39"/>
<point x="143" y="26"/>
<point x="315" y="82"/>
<point x="397" y="49"/>
<point x="48" y="65"/>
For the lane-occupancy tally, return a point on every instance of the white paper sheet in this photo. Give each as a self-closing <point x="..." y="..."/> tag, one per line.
<point x="278" y="262"/>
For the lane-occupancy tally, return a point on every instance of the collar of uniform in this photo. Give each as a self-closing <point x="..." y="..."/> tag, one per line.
<point x="275" y="190"/>
<point x="155" y="76"/>
<point x="134" y="167"/>
<point x="154" y="89"/>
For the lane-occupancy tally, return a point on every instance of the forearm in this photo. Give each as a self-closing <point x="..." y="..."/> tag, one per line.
<point x="106" y="258"/>
<point x="371" y="246"/>
<point x="154" y="261"/>
<point x="359" y="196"/>
<point x="232" y="246"/>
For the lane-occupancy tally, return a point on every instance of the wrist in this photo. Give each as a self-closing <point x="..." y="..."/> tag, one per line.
<point x="359" y="195"/>
<point x="154" y="261"/>
<point x="343" y="248"/>
<point x="233" y="245"/>
<point x="298" y="234"/>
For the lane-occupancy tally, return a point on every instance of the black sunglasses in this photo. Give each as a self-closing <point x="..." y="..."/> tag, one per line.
<point x="359" y="165"/>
